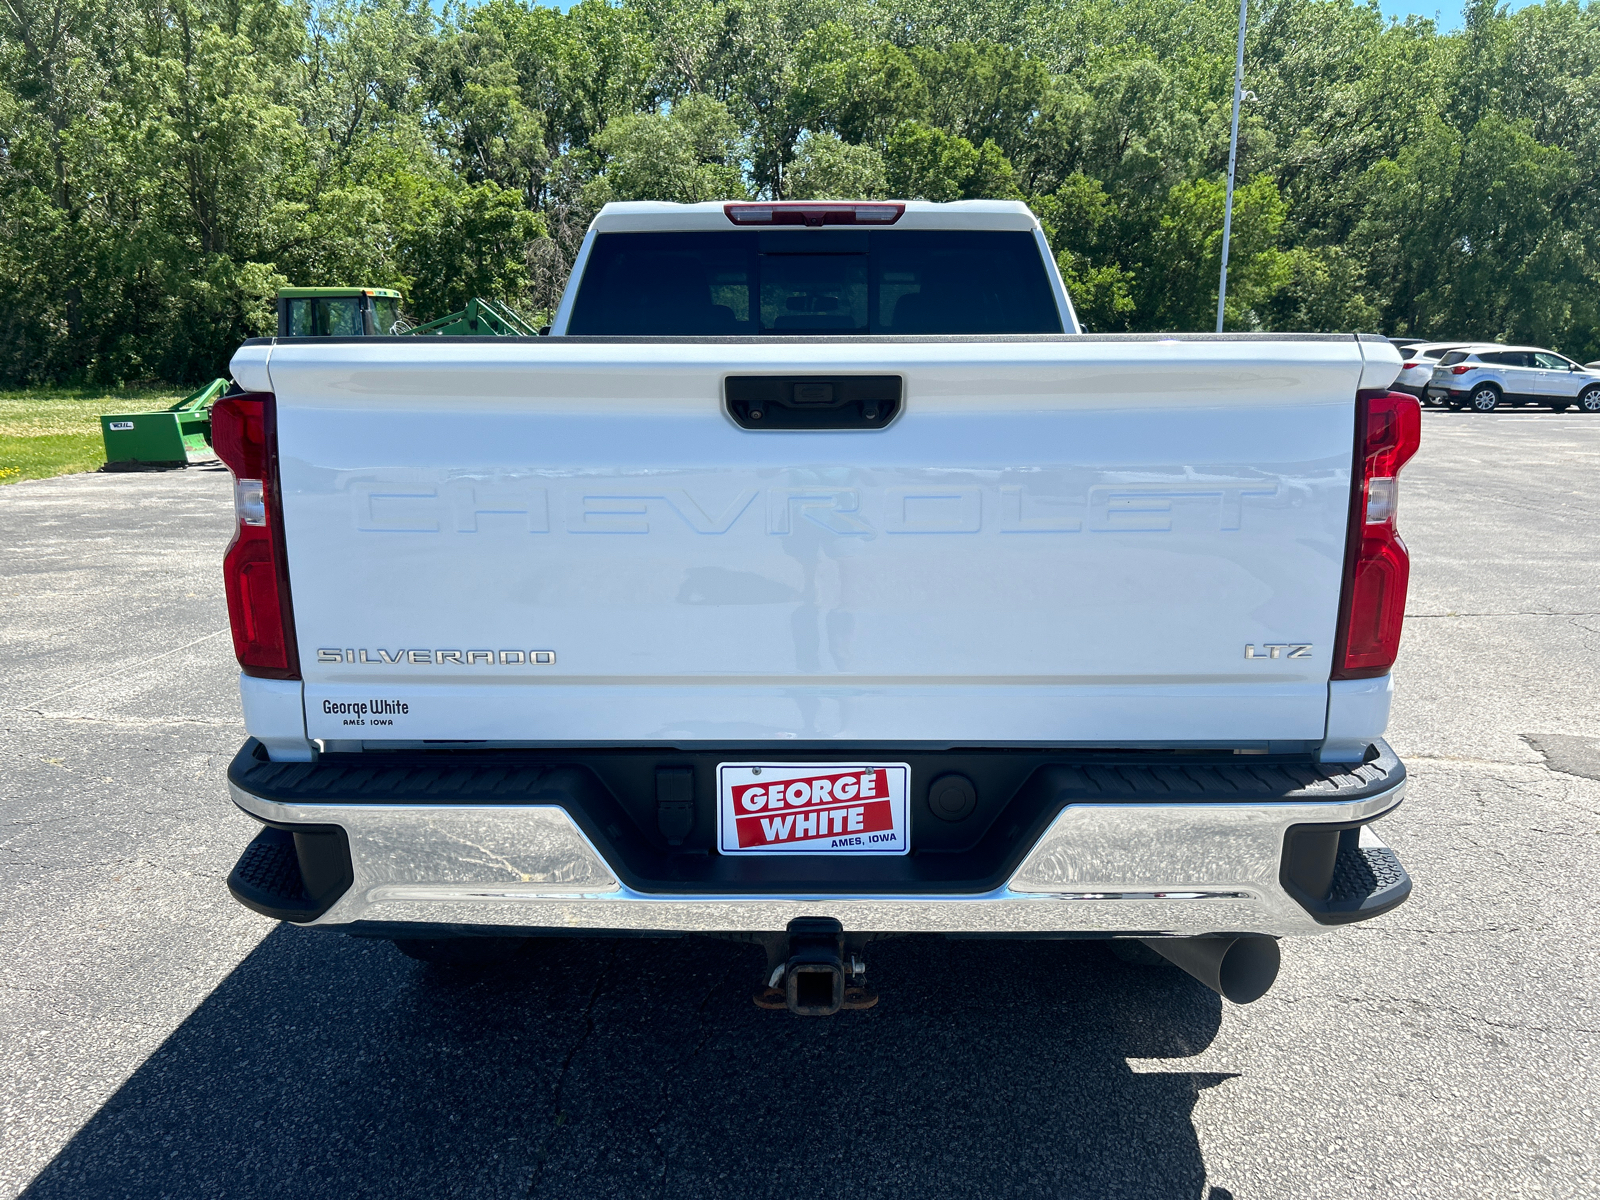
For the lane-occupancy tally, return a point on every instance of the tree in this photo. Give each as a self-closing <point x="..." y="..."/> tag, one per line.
<point x="923" y="163"/>
<point x="685" y="154"/>
<point x="827" y="168"/>
<point x="1181" y="275"/>
<point x="470" y="241"/>
<point x="1077" y="218"/>
<point x="165" y="165"/>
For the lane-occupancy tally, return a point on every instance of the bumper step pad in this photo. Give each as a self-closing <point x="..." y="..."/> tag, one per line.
<point x="1367" y="880"/>
<point x="267" y="875"/>
<point x="292" y="876"/>
<point x="1342" y="874"/>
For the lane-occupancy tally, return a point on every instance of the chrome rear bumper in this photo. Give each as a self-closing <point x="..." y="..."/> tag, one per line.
<point x="1181" y="867"/>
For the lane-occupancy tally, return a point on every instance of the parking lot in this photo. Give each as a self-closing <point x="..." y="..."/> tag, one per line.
<point x="157" y="1040"/>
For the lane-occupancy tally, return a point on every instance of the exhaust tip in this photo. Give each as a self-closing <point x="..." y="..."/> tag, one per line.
<point x="1240" y="969"/>
<point x="1249" y="969"/>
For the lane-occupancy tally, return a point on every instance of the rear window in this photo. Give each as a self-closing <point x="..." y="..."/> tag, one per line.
<point x="752" y="282"/>
<point x="1451" y="359"/>
<point x="326" y="316"/>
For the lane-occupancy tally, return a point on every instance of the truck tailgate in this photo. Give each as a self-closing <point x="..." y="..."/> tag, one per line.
<point x="1057" y="540"/>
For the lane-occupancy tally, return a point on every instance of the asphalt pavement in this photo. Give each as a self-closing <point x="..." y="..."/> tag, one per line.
<point x="157" y="1040"/>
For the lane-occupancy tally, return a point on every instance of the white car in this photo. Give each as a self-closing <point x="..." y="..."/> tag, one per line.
<point x="1488" y="376"/>
<point x="1417" y="369"/>
<point x="817" y="579"/>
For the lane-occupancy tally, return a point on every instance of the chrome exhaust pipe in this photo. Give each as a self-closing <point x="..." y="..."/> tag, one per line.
<point x="1241" y="969"/>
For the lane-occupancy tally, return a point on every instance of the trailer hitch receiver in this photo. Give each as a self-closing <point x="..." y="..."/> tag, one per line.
<point x="814" y="970"/>
<point x="813" y="978"/>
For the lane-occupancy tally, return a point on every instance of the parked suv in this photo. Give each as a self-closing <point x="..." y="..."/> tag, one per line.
<point x="1417" y="370"/>
<point x="1484" y="377"/>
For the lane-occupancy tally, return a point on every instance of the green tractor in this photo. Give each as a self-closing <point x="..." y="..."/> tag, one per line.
<point x="339" y="312"/>
<point x="480" y="318"/>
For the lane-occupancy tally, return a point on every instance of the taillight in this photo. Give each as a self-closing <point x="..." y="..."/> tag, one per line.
<point x="255" y="572"/>
<point x="814" y="214"/>
<point x="1372" y="606"/>
<point x="1460" y="368"/>
<point x="1409" y="366"/>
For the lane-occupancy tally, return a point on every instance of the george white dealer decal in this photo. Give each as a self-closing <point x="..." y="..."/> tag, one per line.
<point x="454" y="658"/>
<point x="376" y="711"/>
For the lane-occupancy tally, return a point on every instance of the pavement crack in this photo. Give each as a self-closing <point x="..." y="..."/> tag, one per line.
<point x="654" y="1128"/>
<point x="1540" y="612"/>
<point x="102" y="676"/>
<point x="558" y="1118"/>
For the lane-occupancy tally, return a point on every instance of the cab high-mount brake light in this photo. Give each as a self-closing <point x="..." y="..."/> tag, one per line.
<point x="1372" y="605"/>
<point x="814" y="215"/>
<point x="255" y="571"/>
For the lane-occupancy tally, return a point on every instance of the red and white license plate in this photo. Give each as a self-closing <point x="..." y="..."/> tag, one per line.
<point x="813" y="808"/>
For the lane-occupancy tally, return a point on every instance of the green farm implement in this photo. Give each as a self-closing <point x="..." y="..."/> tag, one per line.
<point x="169" y="438"/>
<point x="480" y="318"/>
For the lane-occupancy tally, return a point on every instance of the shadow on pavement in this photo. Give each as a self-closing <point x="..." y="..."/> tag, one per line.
<point x="332" y="1066"/>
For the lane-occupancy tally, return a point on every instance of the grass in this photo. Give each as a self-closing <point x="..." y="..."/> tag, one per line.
<point x="56" y="431"/>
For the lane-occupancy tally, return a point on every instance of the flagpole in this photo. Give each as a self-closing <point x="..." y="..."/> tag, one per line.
<point x="1233" y="158"/>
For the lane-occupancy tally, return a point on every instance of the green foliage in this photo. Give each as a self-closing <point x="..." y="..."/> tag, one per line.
<point x="1079" y="219"/>
<point x="923" y="163"/>
<point x="467" y="242"/>
<point x="1187" y="254"/>
<point x="828" y="168"/>
<point x="164" y="167"/>
<point x="685" y="155"/>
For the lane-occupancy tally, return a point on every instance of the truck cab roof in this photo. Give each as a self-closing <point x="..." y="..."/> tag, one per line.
<point x="654" y="216"/>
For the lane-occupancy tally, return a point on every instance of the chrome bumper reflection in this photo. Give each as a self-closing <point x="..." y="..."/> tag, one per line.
<point x="1147" y="868"/>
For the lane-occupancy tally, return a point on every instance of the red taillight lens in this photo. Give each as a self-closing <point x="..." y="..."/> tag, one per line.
<point x="814" y="214"/>
<point x="255" y="572"/>
<point x="1391" y="434"/>
<point x="1372" y="607"/>
<point x="1460" y="368"/>
<point x="1409" y="366"/>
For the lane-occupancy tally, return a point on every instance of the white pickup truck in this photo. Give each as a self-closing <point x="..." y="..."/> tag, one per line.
<point x="817" y="579"/>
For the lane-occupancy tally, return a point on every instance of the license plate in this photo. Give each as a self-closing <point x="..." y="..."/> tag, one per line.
<point x="813" y="808"/>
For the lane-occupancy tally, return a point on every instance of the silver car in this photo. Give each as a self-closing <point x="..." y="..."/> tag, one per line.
<point x="1486" y="376"/>
<point x="1417" y="371"/>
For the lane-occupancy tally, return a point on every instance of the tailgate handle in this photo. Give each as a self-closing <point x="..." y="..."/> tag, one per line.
<point x="812" y="401"/>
